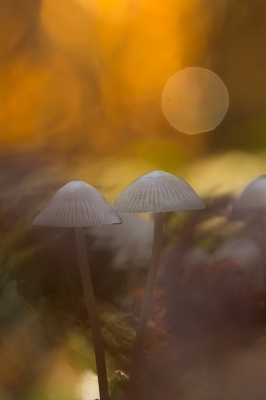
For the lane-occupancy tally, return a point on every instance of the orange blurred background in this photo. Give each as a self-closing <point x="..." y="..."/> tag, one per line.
<point x="84" y="78"/>
<point x="87" y="76"/>
<point x="82" y="81"/>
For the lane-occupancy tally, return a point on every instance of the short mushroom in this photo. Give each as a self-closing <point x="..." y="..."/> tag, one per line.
<point x="78" y="205"/>
<point x="250" y="206"/>
<point x="155" y="192"/>
<point x="252" y="200"/>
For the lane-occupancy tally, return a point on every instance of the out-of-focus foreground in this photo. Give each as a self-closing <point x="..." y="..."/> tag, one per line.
<point x="81" y="84"/>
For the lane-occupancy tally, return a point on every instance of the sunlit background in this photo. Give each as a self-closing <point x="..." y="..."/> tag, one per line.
<point x="81" y="98"/>
<point x="82" y="82"/>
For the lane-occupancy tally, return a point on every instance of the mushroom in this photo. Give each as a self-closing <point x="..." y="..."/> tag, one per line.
<point x="250" y="206"/>
<point x="78" y="205"/>
<point x="155" y="192"/>
<point x="252" y="200"/>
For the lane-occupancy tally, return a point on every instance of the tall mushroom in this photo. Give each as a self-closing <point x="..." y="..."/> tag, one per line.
<point x="78" y="205"/>
<point x="155" y="192"/>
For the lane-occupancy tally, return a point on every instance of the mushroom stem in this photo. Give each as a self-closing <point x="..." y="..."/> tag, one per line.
<point x="151" y="280"/>
<point x="92" y="312"/>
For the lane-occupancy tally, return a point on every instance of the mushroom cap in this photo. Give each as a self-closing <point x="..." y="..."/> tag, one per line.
<point x="253" y="196"/>
<point x="77" y="204"/>
<point x="158" y="191"/>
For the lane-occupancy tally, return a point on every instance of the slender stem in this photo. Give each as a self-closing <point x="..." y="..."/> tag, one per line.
<point x="151" y="280"/>
<point x="92" y="312"/>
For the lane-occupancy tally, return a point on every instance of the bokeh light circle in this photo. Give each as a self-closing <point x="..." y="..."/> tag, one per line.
<point x="194" y="100"/>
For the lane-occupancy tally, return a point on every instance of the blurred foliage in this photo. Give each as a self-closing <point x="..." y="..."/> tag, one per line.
<point x="206" y="229"/>
<point x="196" y="386"/>
<point x="204" y="308"/>
<point x="118" y="386"/>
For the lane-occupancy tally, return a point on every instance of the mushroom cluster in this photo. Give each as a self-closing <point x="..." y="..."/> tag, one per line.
<point x="79" y="205"/>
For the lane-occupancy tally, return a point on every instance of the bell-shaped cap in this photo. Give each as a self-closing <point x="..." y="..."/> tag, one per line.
<point x="158" y="191"/>
<point x="252" y="201"/>
<point x="77" y="204"/>
<point x="253" y="196"/>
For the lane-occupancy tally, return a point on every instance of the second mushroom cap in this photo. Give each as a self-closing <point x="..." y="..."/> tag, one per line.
<point x="158" y="191"/>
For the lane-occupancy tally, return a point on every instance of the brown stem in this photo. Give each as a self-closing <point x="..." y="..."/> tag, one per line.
<point x="92" y="312"/>
<point x="151" y="280"/>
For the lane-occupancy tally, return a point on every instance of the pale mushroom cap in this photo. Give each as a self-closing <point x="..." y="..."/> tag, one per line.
<point x="158" y="191"/>
<point x="254" y="196"/>
<point x="77" y="204"/>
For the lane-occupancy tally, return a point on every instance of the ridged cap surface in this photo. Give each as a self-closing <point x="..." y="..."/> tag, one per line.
<point x="77" y="204"/>
<point x="158" y="191"/>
